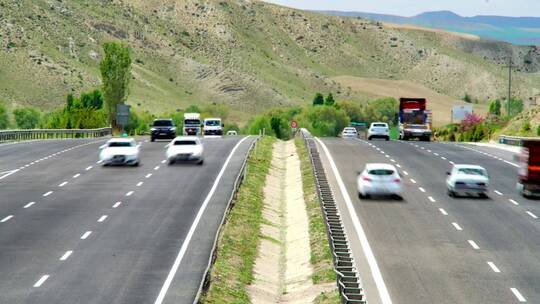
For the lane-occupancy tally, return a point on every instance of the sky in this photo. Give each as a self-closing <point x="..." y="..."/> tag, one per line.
<point x="529" y="8"/>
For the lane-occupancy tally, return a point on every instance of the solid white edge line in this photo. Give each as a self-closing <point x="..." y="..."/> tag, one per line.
<point x="7" y="218"/>
<point x="518" y="295"/>
<point x="473" y="244"/>
<point x="66" y="255"/>
<point x="493" y="267"/>
<point x="10" y="173"/>
<point x="187" y="240"/>
<point x="41" y="280"/>
<point x="374" y="267"/>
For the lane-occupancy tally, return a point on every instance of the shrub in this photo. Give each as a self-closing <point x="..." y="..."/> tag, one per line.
<point x="324" y="121"/>
<point x="318" y="100"/>
<point x="329" y="101"/>
<point x="27" y="118"/>
<point x="4" y="117"/>
<point x="526" y="127"/>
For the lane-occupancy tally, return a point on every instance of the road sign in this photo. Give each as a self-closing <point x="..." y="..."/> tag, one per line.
<point x="122" y="114"/>
<point x="294" y="124"/>
<point x="459" y="112"/>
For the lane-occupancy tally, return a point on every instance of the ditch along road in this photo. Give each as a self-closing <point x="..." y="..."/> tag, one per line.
<point x="431" y="248"/>
<point x="72" y="231"/>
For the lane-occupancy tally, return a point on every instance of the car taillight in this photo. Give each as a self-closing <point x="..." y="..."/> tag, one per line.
<point x="481" y="184"/>
<point x="397" y="180"/>
<point x="367" y="179"/>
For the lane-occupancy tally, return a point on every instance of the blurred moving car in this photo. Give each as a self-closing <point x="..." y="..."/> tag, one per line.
<point x="349" y="132"/>
<point x="185" y="149"/>
<point x="162" y="129"/>
<point x="379" y="179"/>
<point x="467" y="180"/>
<point x="213" y="126"/>
<point x="529" y="169"/>
<point x="232" y="133"/>
<point x="379" y="130"/>
<point x="120" y="151"/>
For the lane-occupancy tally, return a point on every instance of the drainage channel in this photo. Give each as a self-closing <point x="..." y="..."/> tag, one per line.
<point x="348" y="279"/>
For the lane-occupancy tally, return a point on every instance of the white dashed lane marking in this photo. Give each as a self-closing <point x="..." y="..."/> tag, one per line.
<point x="532" y="215"/>
<point x="47" y="194"/>
<point x="63" y="184"/>
<point x="422" y="189"/>
<point x="29" y="205"/>
<point x="129" y="193"/>
<point x="458" y="228"/>
<point x="148" y="175"/>
<point x="139" y="184"/>
<point x="473" y="244"/>
<point x="88" y="168"/>
<point x="514" y="202"/>
<point x="7" y="218"/>
<point x="102" y="218"/>
<point x="493" y="267"/>
<point x="413" y="181"/>
<point x="76" y="175"/>
<point x="117" y="204"/>
<point x="431" y="199"/>
<point x="66" y="255"/>
<point x="498" y="192"/>
<point x="156" y="168"/>
<point x="443" y="211"/>
<point x="41" y="281"/>
<point x="518" y="295"/>
<point x="86" y="235"/>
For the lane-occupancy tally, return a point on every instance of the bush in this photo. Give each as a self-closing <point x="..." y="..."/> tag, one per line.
<point x="526" y="127"/>
<point x="27" y="118"/>
<point x="324" y="121"/>
<point x="329" y="101"/>
<point x="495" y="107"/>
<point x="4" y="117"/>
<point x="382" y="109"/>
<point x="318" y="100"/>
<point x="467" y="98"/>
<point x="353" y="110"/>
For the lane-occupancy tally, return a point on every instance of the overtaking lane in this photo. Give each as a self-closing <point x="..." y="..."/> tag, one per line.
<point x="499" y="227"/>
<point x="422" y="258"/>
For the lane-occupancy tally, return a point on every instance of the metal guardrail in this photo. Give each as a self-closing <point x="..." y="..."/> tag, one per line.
<point x="205" y="283"/>
<point x="19" y="135"/>
<point x="515" y="140"/>
<point x="348" y="280"/>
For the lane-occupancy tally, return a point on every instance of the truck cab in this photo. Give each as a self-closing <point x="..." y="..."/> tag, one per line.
<point x="192" y="124"/>
<point x="529" y="169"/>
<point x="213" y="126"/>
<point x="413" y="119"/>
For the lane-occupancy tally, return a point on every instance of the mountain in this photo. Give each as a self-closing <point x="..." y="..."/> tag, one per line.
<point x="247" y="54"/>
<point x="516" y="30"/>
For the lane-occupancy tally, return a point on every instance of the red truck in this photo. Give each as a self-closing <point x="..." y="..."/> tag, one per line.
<point x="413" y="119"/>
<point x="529" y="168"/>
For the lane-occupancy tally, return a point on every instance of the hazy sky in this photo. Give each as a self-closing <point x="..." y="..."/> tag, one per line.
<point x="413" y="7"/>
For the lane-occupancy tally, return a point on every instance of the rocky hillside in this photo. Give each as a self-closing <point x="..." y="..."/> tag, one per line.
<point x="248" y="54"/>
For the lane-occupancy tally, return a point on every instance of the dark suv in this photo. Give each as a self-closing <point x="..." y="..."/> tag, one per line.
<point x="163" y="129"/>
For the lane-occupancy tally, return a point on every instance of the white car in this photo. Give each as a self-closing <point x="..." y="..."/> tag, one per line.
<point x="467" y="179"/>
<point x="349" y="132"/>
<point x="120" y="151"/>
<point x="379" y="179"/>
<point x="185" y="149"/>
<point x="379" y="130"/>
<point x="232" y="133"/>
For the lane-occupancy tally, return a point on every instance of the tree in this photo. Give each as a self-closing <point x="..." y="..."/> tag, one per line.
<point x="324" y="121"/>
<point x="495" y="107"/>
<point x="115" y="73"/>
<point x="70" y="101"/>
<point x="353" y="109"/>
<point x="329" y="101"/>
<point x="318" y="100"/>
<point x="470" y="121"/>
<point x="92" y="100"/>
<point x="4" y="118"/>
<point x="515" y="107"/>
<point x="193" y="109"/>
<point x="382" y="109"/>
<point x="27" y="118"/>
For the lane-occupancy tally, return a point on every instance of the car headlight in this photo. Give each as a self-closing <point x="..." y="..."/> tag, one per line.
<point x="173" y="129"/>
<point x="153" y="129"/>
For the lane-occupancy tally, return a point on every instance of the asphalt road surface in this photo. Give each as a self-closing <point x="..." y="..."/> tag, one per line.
<point x="431" y="248"/>
<point x="72" y="231"/>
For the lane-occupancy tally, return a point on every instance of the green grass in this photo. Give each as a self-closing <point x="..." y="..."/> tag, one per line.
<point x="240" y="236"/>
<point x="328" y="298"/>
<point x="321" y="256"/>
<point x="394" y="133"/>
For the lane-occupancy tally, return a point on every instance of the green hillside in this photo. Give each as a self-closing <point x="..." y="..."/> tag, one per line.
<point x="247" y="54"/>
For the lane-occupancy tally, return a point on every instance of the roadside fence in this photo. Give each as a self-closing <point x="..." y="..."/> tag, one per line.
<point x="19" y="135"/>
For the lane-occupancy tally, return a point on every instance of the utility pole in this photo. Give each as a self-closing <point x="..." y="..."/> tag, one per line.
<point x="510" y="66"/>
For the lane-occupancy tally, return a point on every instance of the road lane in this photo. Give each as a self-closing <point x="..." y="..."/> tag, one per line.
<point x="422" y="257"/>
<point x="130" y="241"/>
<point x="498" y="226"/>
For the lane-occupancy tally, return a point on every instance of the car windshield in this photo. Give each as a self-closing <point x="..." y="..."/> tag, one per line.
<point x="192" y="122"/>
<point x="185" y="143"/>
<point x="163" y="123"/>
<point x="380" y="125"/>
<point x="472" y="171"/>
<point x="116" y="144"/>
<point x="213" y="123"/>
<point x="381" y="172"/>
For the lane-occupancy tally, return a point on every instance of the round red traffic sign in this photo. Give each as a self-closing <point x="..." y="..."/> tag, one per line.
<point x="294" y="124"/>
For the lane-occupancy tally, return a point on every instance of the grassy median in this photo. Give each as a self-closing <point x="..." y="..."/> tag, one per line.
<point x="239" y="237"/>
<point x="321" y="256"/>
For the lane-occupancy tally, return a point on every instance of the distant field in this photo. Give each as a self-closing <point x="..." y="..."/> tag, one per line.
<point x="440" y="104"/>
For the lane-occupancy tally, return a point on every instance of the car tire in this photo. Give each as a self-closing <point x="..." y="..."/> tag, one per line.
<point x="451" y="193"/>
<point x="387" y="138"/>
<point x="398" y="197"/>
<point x="170" y="162"/>
<point x="200" y="163"/>
<point x="152" y="139"/>
<point x="361" y="196"/>
<point x="135" y="164"/>
<point x="483" y="195"/>
<point x="369" y="138"/>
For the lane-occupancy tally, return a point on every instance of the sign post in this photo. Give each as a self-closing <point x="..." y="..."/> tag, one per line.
<point x="122" y="116"/>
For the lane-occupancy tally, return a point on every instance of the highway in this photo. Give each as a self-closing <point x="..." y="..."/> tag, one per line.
<point x="73" y="231"/>
<point x="431" y="248"/>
